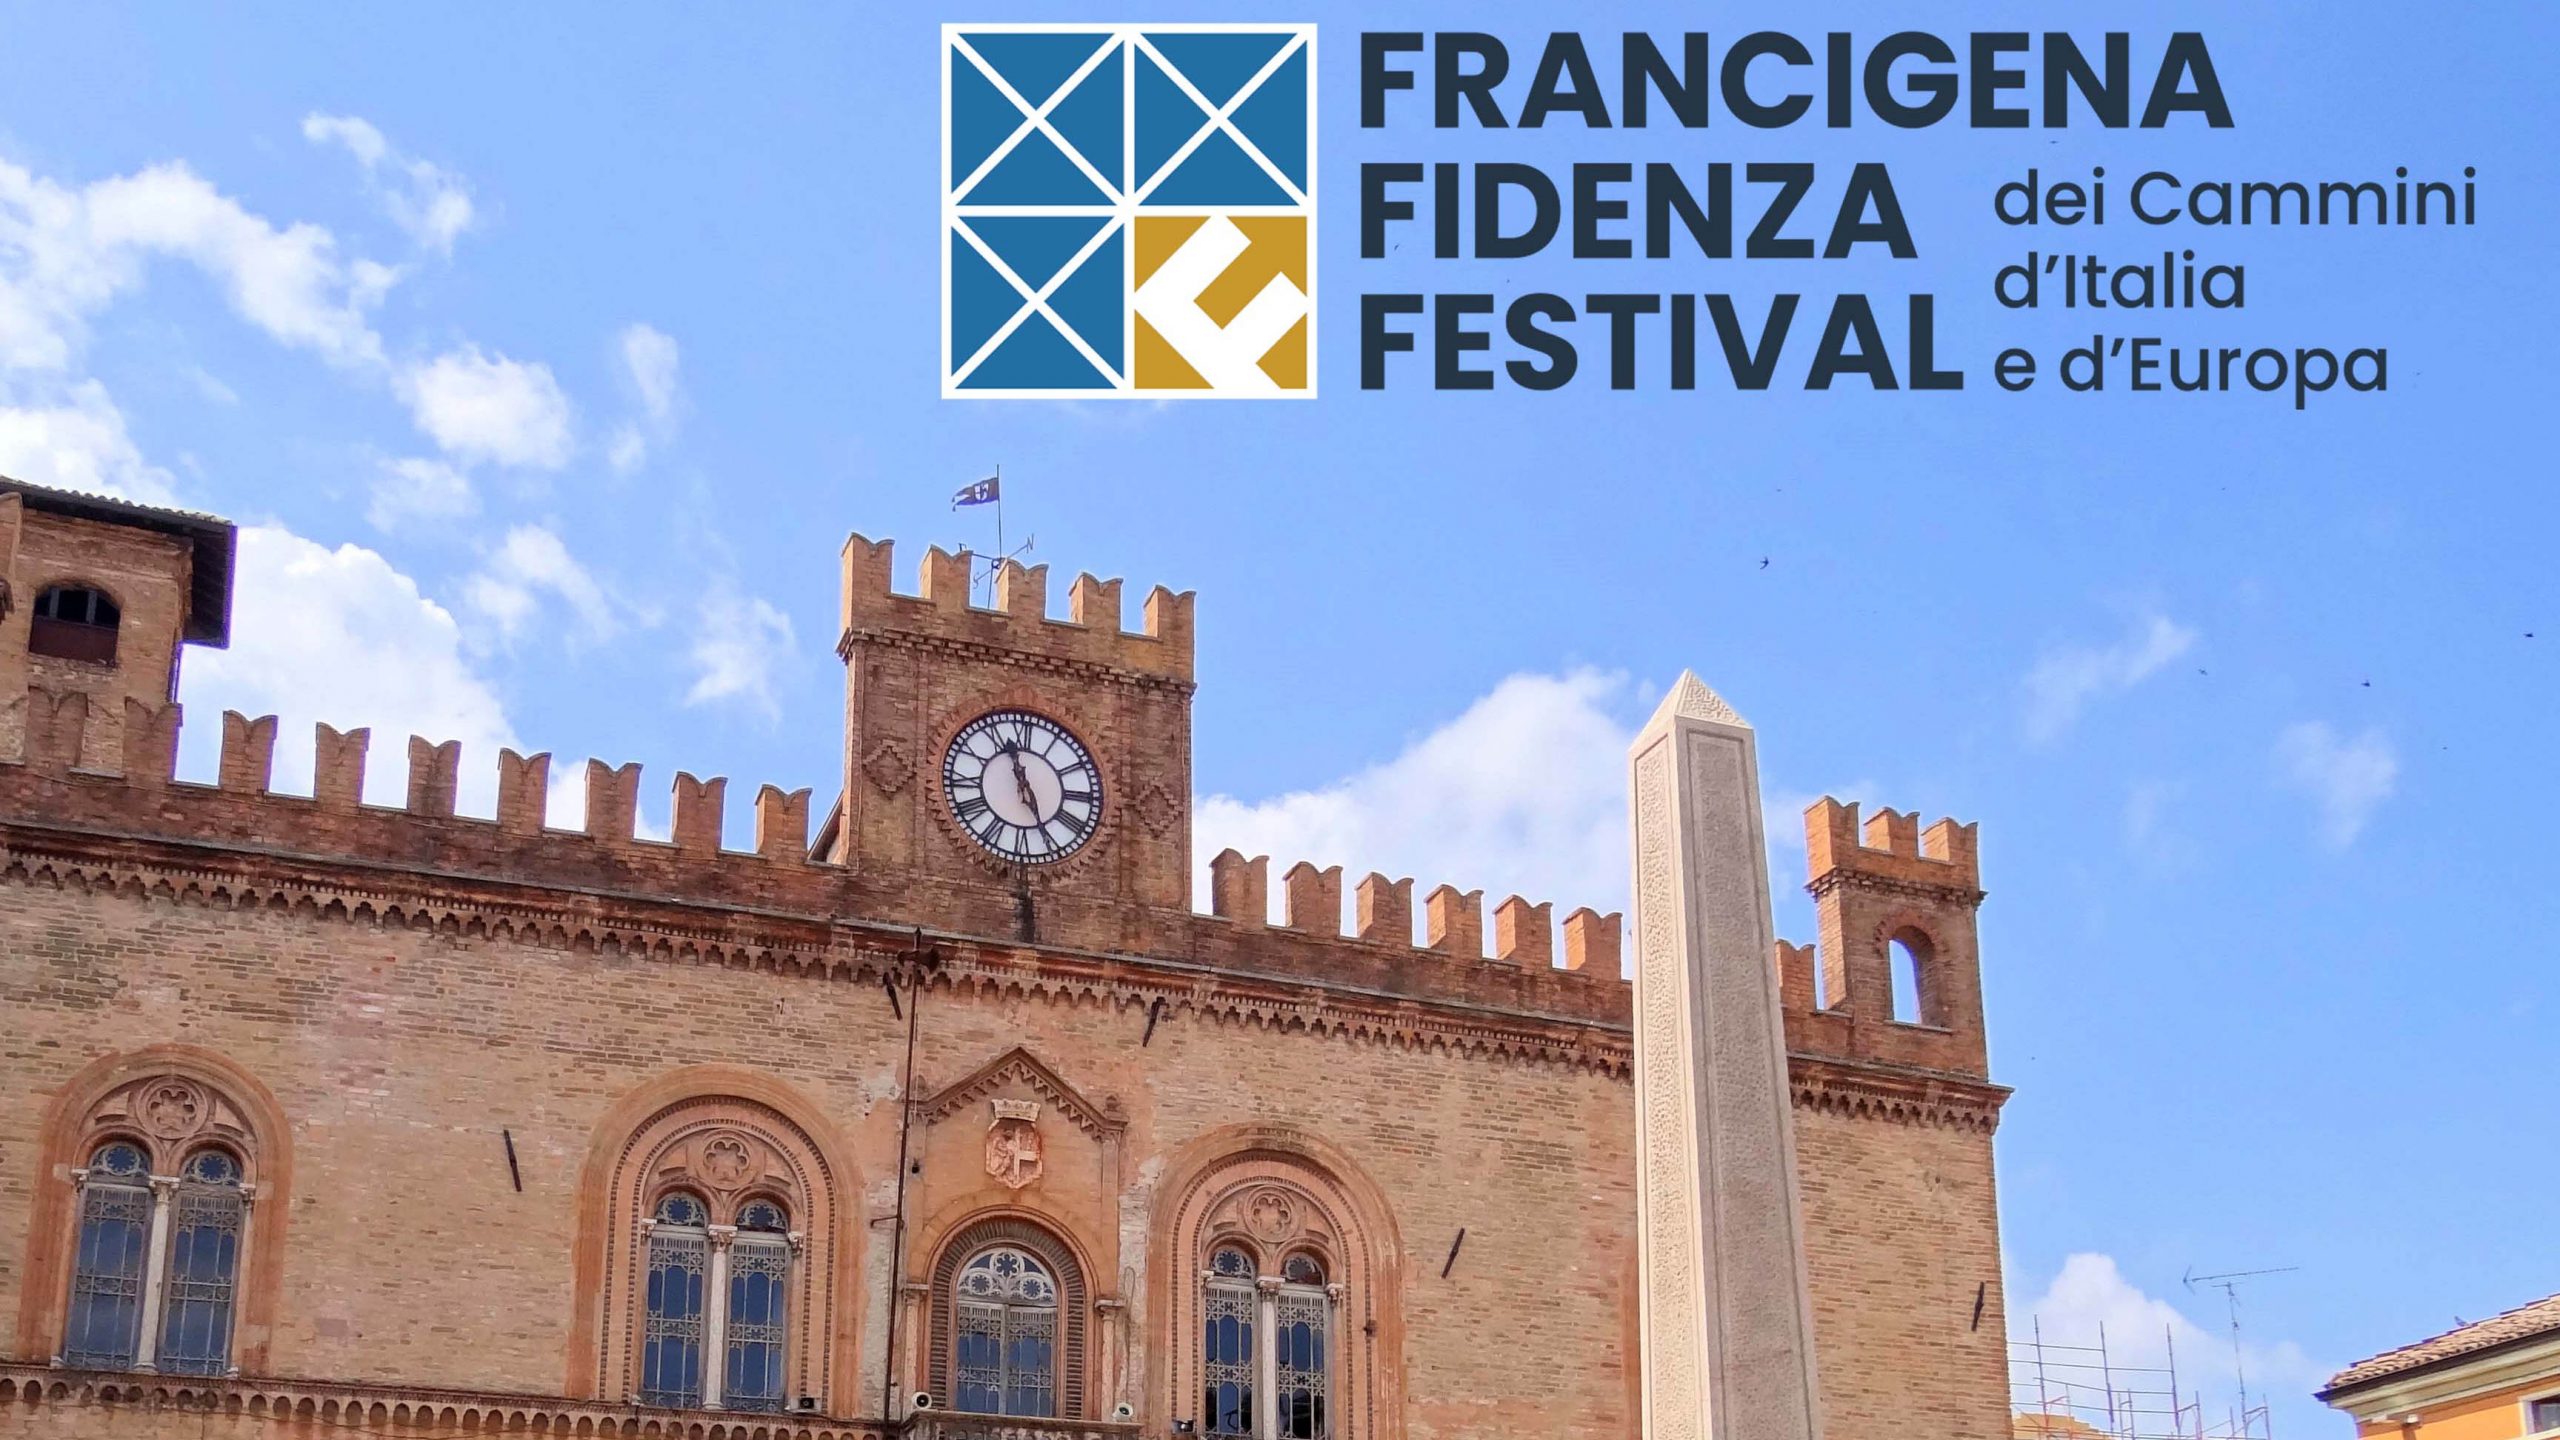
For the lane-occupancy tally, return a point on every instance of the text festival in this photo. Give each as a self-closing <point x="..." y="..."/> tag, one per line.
<point x="1502" y="210"/>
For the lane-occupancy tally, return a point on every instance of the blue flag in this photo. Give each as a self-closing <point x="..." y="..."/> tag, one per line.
<point x="978" y="494"/>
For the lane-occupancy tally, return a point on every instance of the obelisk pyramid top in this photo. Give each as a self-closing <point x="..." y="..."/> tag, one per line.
<point x="1690" y="699"/>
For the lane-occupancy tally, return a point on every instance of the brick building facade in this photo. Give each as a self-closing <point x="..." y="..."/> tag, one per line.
<point x="319" y="1115"/>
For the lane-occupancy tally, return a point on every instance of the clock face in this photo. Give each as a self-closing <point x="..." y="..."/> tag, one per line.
<point x="1023" y="788"/>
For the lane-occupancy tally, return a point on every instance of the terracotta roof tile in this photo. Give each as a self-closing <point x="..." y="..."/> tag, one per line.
<point x="2525" y="1322"/>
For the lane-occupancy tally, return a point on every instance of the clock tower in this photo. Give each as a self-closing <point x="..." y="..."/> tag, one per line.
<point x="1008" y="772"/>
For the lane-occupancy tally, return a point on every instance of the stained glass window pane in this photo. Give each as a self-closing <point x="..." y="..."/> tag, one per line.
<point x="757" y="1269"/>
<point x="204" y="1259"/>
<point x="105" y="1323"/>
<point x="671" y="1337"/>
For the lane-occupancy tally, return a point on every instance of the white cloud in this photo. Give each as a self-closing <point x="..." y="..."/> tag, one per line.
<point x="2090" y="1298"/>
<point x="210" y="386"/>
<point x="488" y="407"/>
<point x="78" y="441"/>
<point x="1460" y="806"/>
<point x="735" y="650"/>
<point x="289" y="282"/>
<point x="627" y="450"/>
<point x="412" y="488"/>
<point x="2347" y="779"/>
<point x="649" y="360"/>
<point x="66" y="252"/>
<point x="529" y="564"/>
<point x="342" y="636"/>
<point x="426" y="200"/>
<point x="2067" y="678"/>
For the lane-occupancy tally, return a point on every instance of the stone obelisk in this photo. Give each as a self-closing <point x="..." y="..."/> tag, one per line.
<point x="1727" y="1325"/>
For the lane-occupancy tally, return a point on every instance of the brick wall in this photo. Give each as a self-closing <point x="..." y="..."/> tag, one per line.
<point x="400" y="1056"/>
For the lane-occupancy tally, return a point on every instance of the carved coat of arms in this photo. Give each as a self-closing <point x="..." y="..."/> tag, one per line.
<point x="1013" y="1143"/>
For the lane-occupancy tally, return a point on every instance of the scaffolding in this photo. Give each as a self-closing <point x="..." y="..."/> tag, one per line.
<point x="2064" y="1391"/>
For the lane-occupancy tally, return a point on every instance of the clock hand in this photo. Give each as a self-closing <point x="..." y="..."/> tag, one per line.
<point x="1022" y="784"/>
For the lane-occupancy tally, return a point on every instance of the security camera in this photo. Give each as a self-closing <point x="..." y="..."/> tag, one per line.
<point x="1123" y="1411"/>
<point x="921" y="1400"/>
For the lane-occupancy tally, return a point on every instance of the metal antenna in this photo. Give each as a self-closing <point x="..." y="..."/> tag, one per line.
<point x="2228" y="1282"/>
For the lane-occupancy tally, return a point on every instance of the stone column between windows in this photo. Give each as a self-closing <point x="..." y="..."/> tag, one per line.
<point x="1266" y="1359"/>
<point x="155" y="1275"/>
<point x="715" y="1315"/>
<point x="1113" y="1312"/>
<point x="909" y="1361"/>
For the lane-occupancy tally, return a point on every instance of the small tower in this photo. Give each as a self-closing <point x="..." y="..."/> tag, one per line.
<point x="98" y="599"/>
<point x="1888" y="887"/>
<point x="1894" y="1123"/>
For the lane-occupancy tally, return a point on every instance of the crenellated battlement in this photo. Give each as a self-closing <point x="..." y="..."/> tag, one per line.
<point x="1524" y="935"/>
<point x="55" y="736"/>
<point x="240" y="823"/>
<point x="1890" y="846"/>
<point x="943" y="610"/>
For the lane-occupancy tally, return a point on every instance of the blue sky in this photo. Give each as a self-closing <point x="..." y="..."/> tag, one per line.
<point x="551" y="353"/>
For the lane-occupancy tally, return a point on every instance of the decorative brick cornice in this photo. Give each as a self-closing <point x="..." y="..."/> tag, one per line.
<point x="395" y="1409"/>
<point x="815" y="946"/>
<point x="946" y="647"/>
<point x="1824" y="884"/>
<point x="1895" y="1095"/>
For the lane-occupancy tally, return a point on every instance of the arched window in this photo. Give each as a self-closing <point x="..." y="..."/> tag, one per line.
<point x="1266" y="1335"/>
<point x="1301" y="1346"/>
<point x="1007" y="1331"/>
<point x="1281" y="1283"/>
<point x="753" y="1328"/>
<point x="163" y="1218"/>
<point x="1005" y="1335"/>
<point x="74" y="622"/>
<point x="715" y="1300"/>
<point x="719" y="1245"/>
<point x="679" y="1248"/>
<point x="1906" y="956"/>
<point x="105" y="1325"/>
<point x="205" y="1220"/>
<point x="1228" y="1354"/>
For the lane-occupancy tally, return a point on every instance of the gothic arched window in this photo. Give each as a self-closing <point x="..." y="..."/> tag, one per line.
<point x="1008" y="1303"/>
<point x="754" y="1321"/>
<point x="1005" y="1335"/>
<point x="1266" y="1335"/>
<point x="1229" y="1356"/>
<point x="715" y="1298"/>
<point x="722" y="1240"/>
<point x="105" y="1324"/>
<point x="206" y="1217"/>
<point x="679" y="1265"/>
<point x="161" y="1223"/>
<point x="74" y="622"/>
<point x="1282" y="1284"/>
